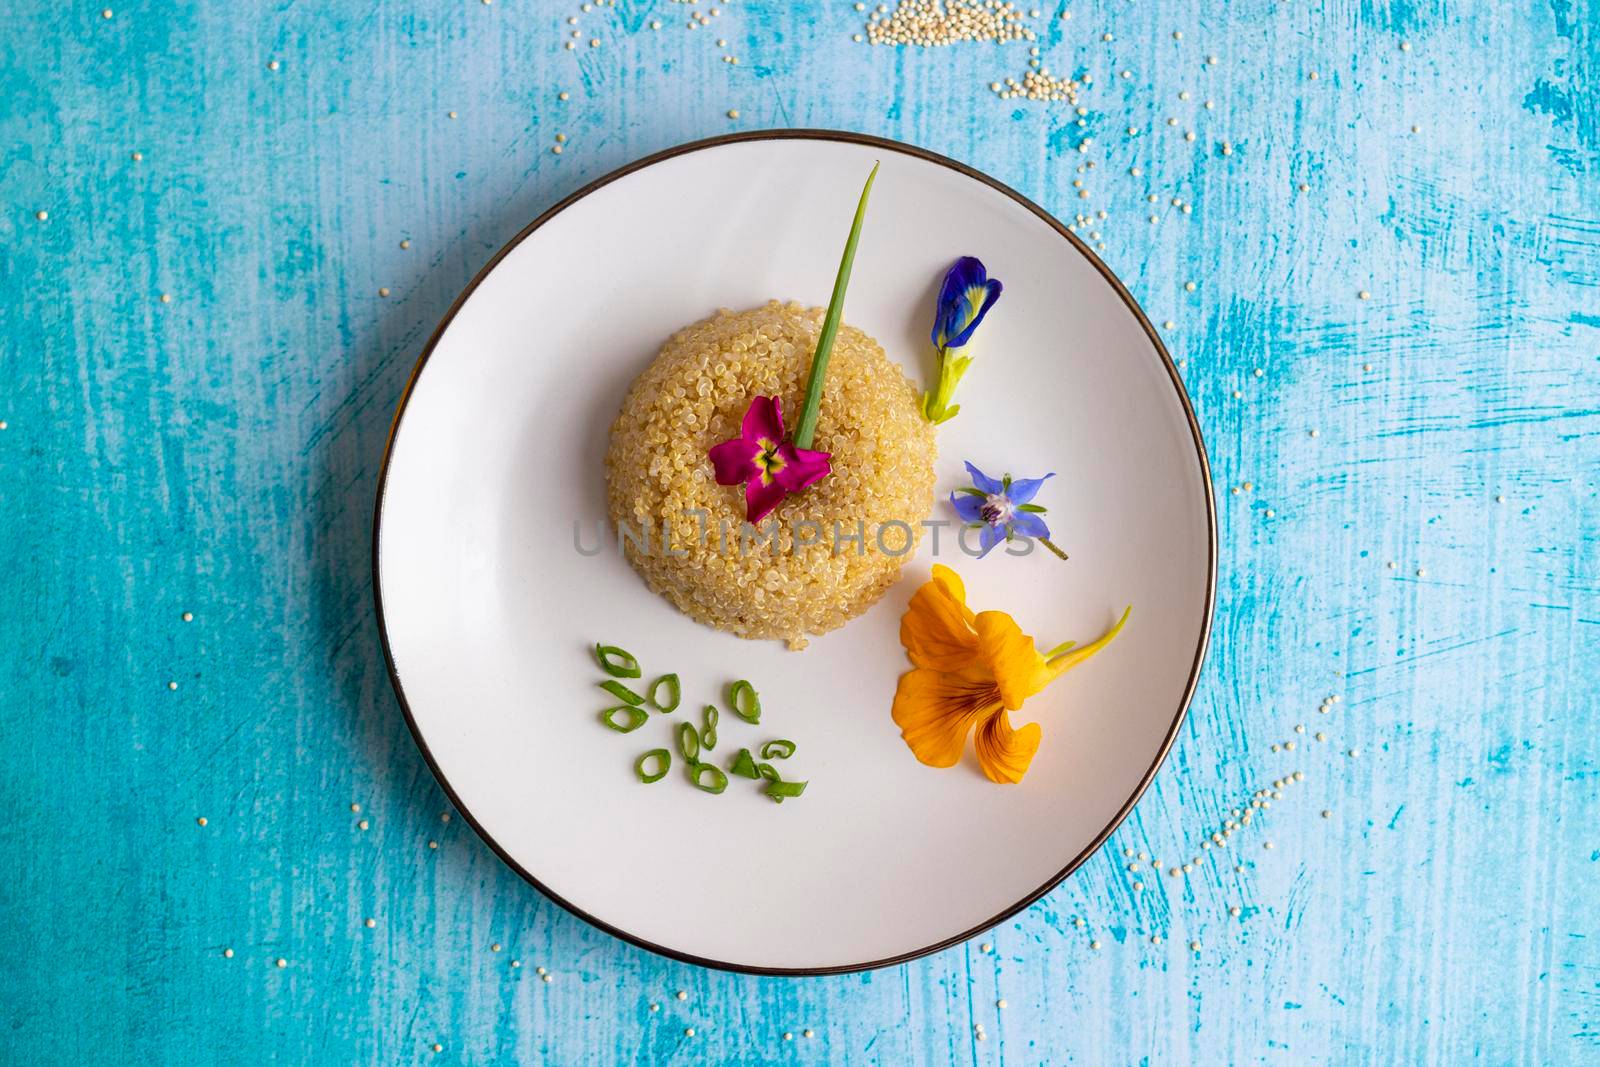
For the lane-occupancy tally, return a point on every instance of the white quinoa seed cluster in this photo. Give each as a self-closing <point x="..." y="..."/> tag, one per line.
<point x="694" y="396"/>
<point x="938" y="23"/>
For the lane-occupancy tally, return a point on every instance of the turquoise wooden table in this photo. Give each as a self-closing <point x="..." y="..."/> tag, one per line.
<point x="1369" y="229"/>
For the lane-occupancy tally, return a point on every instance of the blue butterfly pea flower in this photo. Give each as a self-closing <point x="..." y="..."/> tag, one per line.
<point x="964" y="299"/>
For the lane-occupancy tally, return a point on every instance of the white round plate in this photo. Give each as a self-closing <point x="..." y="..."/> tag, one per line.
<point x="489" y="612"/>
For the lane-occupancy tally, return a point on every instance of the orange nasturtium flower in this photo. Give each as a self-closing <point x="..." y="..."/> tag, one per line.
<point x="973" y="670"/>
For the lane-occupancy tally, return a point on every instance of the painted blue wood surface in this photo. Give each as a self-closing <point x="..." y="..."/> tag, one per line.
<point x="216" y="454"/>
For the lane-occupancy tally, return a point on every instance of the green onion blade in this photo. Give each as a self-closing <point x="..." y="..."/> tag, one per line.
<point x="778" y="749"/>
<point x="806" y="428"/>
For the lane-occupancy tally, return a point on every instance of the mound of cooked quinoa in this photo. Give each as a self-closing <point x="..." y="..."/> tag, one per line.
<point x="835" y="547"/>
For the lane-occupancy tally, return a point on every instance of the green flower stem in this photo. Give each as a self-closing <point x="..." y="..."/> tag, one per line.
<point x="1077" y="655"/>
<point x="1051" y="545"/>
<point x="936" y="405"/>
<point x="806" y="428"/>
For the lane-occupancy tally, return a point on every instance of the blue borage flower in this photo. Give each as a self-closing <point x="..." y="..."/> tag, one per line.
<point x="965" y="298"/>
<point x="1003" y="508"/>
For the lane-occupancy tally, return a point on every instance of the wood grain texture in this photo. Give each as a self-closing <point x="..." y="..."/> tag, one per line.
<point x="217" y="454"/>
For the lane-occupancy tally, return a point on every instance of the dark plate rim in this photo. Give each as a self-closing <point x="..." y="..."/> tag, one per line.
<point x="1183" y="399"/>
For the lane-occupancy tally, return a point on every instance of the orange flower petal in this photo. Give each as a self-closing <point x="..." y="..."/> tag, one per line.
<point x="951" y="581"/>
<point x="1004" y="753"/>
<point x="1019" y="670"/>
<point x="937" y="626"/>
<point x="935" y="711"/>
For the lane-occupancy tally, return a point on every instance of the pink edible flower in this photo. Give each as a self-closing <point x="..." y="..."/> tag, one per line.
<point x="764" y="462"/>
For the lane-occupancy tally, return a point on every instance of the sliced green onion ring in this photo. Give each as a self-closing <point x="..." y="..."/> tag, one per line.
<point x="688" y="741"/>
<point x="617" y="662"/>
<point x="622" y="692"/>
<point x="779" y="791"/>
<point x="636" y="717"/>
<point x="665" y="763"/>
<point x="769" y="772"/>
<point x="744" y="765"/>
<point x="778" y="749"/>
<point x="698" y="773"/>
<point x="708" y="732"/>
<point x="676" y="693"/>
<point x="745" y="701"/>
